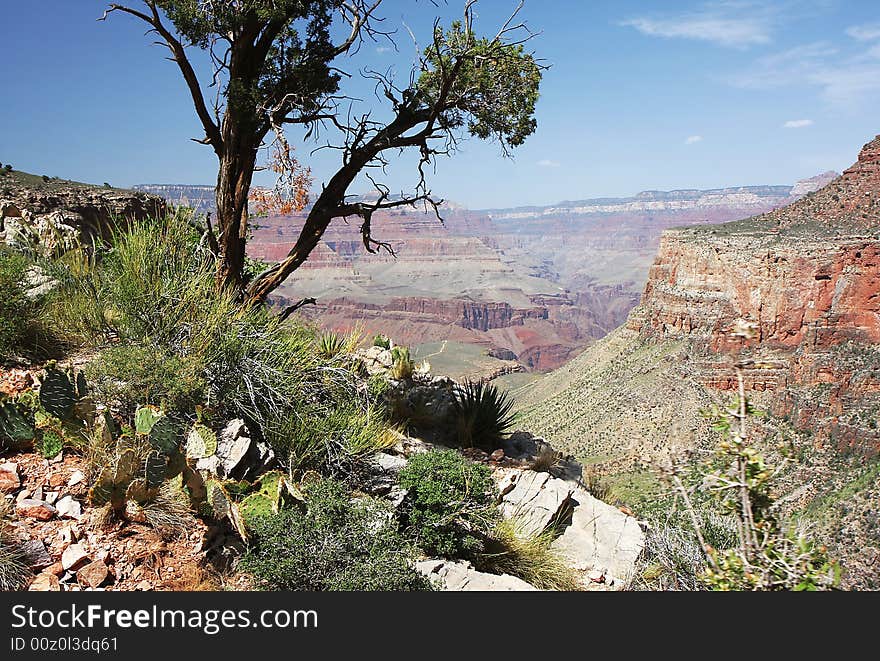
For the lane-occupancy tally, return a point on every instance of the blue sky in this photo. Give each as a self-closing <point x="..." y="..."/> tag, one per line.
<point x="640" y="95"/>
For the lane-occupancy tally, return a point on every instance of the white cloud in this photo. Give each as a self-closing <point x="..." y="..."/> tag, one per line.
<point x="843" y="79"/>
<point x="797" y="123"/>
<point x="547" y="163"/>
<point x="383" y="49"/>
<point x="693" y="139"/>
<point x="868" y="32"/>
<point x="729" y="23"/>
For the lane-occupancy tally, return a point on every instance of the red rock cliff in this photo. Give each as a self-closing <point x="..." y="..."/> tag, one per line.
<point x="806" y="280"/>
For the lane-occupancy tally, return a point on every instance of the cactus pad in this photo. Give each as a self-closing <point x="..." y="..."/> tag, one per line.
<point x="57" y="393"/>
<point x="201" y="442"/>
<point x="15" y="429"/>
<point x="52" y="443"/>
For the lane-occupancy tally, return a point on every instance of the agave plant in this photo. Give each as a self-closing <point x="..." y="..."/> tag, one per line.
<point x="330" y="345"/>
<point x="483" y="415"/>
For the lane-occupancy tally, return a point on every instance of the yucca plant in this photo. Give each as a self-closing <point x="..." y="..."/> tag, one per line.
<point x="330" y="345"/>
<point x="483" y="415"/>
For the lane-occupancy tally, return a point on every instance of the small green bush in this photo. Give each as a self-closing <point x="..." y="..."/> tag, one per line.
<point x="449" y="507"/>
<point x="336" y="544"/>
<point x="131" y="374"/>
<point x="330" y="345"/>
<point x="483" y="415"/>
<point x="382" y="341"/>
<point x="16" y="309"/>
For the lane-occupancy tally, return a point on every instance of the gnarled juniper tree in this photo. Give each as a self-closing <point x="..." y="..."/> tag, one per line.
<point x="275" y="64"/>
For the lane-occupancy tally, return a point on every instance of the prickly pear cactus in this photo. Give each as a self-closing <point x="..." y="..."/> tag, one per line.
<point x="145" y="418"/>
<point x="275" y="492"/>
<point x="257" y="505"/>
<point x="201" y="442"/>
<point x="140" y="492"/>
<point x="156" y="469"/>
<point x="225" y="508"/>
<point x="58" y="393"/>
<point x="161" y="430"/>
<point x="16" y="429"/>
<point x="219" y="499"/>
<point x="113" y="482"/>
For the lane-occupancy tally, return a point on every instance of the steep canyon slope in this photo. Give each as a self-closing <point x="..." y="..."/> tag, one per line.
<point x="805" y="281"/>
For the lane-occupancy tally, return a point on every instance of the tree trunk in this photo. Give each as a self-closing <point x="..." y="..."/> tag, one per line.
<point x="237" y="162"/>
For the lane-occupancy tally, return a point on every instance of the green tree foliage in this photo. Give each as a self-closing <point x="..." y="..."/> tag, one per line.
<point x="768" y="554"/>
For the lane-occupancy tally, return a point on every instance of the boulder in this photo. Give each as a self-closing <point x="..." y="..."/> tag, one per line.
<point x="601" y="539"/>
<point x="35" y="509"/>
<point x="456" y="576"/>
<point x="93" y="574"/>
<point x="537" y="501"/>
<point x="376" y="360"/>
<point x="68" y="508"/>
<point x="9" y="479"/>
<point x="45" y="582"/>
<point x="379" y="477"/>
<point x="35" y="553"/>
<point x="74" y="557"/>
<point x="526" y="447"/>
<point x="238" y="456"/>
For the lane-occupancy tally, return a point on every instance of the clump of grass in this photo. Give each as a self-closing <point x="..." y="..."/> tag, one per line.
<point x="170" y="511"/>
<point x="547" y="459"/>
<point x="14" y="570"/>
<point x="19" y="328"/>
<point x="330" y="345"/>
<point x="530" y="557"/>
<point x="483" y="414"/>
<point x="329" y="439"/>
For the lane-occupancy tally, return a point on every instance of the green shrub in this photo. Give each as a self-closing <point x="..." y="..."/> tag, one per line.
<point x="336" y="544"/>
<point x="330" y="345"/>
<point x="449" y="507"/>
<point x="382" y="341"/>
<point x="130" y="374"/>
<point x="16" y="309"/>
<point x="483" y="415"/>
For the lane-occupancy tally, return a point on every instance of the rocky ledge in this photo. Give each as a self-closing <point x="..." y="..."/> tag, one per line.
<point x="54" y="215"/>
